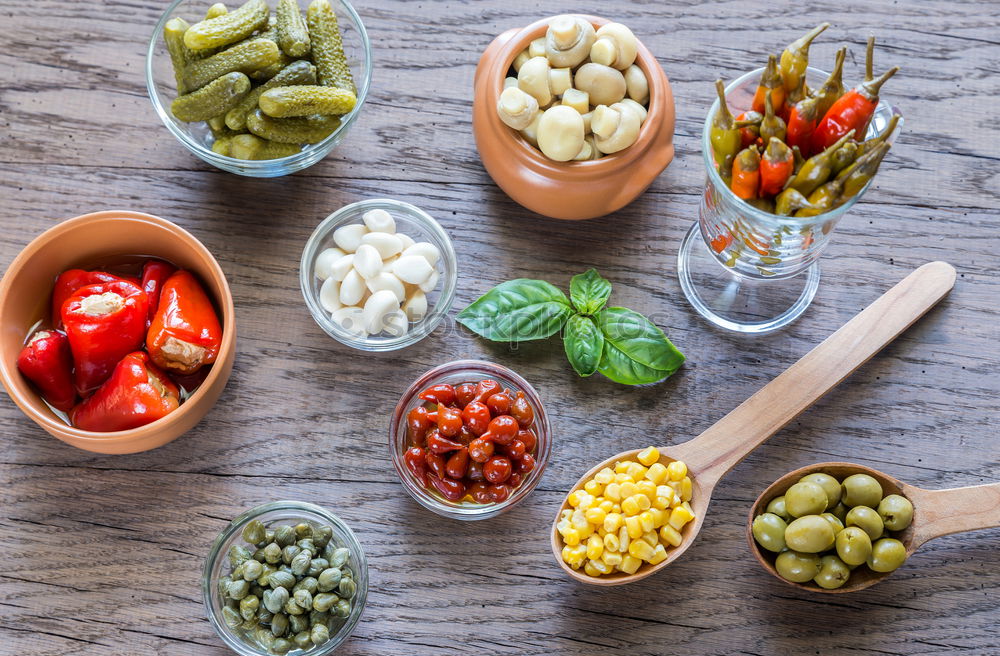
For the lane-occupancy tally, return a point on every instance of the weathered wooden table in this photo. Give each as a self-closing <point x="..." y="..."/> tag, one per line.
<point x="103" y="555"/>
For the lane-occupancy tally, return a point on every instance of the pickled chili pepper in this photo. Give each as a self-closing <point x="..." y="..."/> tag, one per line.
<point x="47" y="362"/>
<point x="185" y="333"/>
<point x="154" y="274"/>
<point x="861" y="172"/>
<point x="746" y="173"/>
<point x="833" y="86"/>
<point x="68" y="282"/>
<point x="817" y="168"/>
<point x="883" y="136"/>
<point x="795" y="58"/>
<point x="137" y="393"/>
<point x="851" y="112"/>
<point x="414" y="457"/>
<point x="776" y="167"/>
<point x="104" y="323"/>
<point x="805" y="115"/>
<point x="724" y="135"/>
<point x="771" y="125"/>
<point x="823" y="199"/>
<point x="749" y="125"/>
<point x="763" y="204"/>
<point x="789" y="201"/>
<point x="844" y="157"/>
<point x="770" y="85"/>
<point x="726" y="170"/>
<point x="799" y="159"/>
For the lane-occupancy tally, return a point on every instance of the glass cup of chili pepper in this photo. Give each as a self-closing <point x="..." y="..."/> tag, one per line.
<point x="456" y="373"/>
<point x="745" y="269"/>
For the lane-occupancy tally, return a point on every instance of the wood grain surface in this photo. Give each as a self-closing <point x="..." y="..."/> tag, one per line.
<point x="102" y="555"/>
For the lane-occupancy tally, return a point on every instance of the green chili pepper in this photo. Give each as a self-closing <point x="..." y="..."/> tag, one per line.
<point x="724" y="134"/>
<point x="817" y="168"/>
<point x="795" y="58"/>
<point x="771" y="125"/>
<point x="789" y="201"/>
<point x="868" y="146"/>
<point x="858" y="174"/>
<point x="833" y="87"/>
<point x="844" y="157"/>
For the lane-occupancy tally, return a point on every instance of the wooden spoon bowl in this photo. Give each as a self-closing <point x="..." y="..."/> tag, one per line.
<point x="935" y="513"/>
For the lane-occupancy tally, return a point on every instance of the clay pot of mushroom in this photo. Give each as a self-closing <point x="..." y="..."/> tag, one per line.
<point x="573" y="116"/>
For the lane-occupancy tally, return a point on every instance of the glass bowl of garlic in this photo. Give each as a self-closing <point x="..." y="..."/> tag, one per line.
<point x="378" y="275"/>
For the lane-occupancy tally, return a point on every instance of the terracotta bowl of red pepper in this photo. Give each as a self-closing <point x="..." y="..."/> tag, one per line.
<point x="118" y="331"/>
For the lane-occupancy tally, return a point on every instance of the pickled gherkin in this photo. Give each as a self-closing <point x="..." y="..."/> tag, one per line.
<point x="248" y="146"/>
<point x="295" y="130"/>
<point x="293" y="35"/>
<point x="268" y="72"/>
<point x="328" y="47"/>
<point x="180" y="55"/>
<point x="242" y="58"/>
<point x="215" y="98"/>
<point x="303" y="100"/>
<point x="300" y="72"/>
<point x="228" y="28"/>
<point x="216" y="10"/>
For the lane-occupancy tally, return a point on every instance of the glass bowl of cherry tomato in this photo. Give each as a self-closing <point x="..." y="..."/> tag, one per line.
<point x="469" y="439"/>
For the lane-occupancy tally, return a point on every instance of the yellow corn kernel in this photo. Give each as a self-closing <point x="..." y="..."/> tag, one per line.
<point x="571" y="537"/>
<point x="595" y="547"/>
<point x="648" y="456"/>
<point x="626" y="489"/>
<point x="688" y="507"/>
<point x="611" y="543"/>
<point x="579" y="551"/>
<point x="651" y="538"/>
<point x="566" y="514"/>
<point x="612" y="522"/>
<point x="634" y="527"/>
<point x="587" y="501"/>
<point x="656" y="473"/>
<point x="611" y="558"/>
<point x="670" y="535"/>
<point x="586" y="532"/>
<point x="621" y="466"/>
<point x="567" y="554"/>
<point x="601" y="531"/>
<point x="574" y="498"/>
<point x="593" y="487"/>
<point x="677" y="470"/>
<point x="623" y="478"/>
<point x="591" y="570"/>
<point x="646" y="488"/>
<point x="660" y="516"/>
<point x="612" y="491"/>
<point x="640" y="549"/>
<point x="636" y="471"/>
<point x="647" y="521"/>
<point x="616" y="508"/>
<point x="630" y="564"/>
<point x="604" y="476"/>
<point x="666" y="491"/>
<point x="606" y="505"/>
<point x="595" y="516"/>
<point x="643" y="501"/>
<point x="630" y="506"/>
<point x="659" y="555"/>
<point x="623" y="539"/>
<point x="662" y="503"/>
<point x="680" y="516"/>
<point x="686" y="488"/>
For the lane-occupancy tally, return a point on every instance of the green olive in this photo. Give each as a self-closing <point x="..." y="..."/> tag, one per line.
<point x="829" y="485"/>
<point x="853" y="545"/>
<point x="840" y="511"/>
<point x="834" y="522"/>
<point x="805" y="498"/>
<point x="866" y="519"/>
<point x="833" y="573"/>
<point x="809" y="534"/>
<point x="797" y="567"/>
<point x="777" y="507"/>
<point x="887" y="555"/>
<point x="896" y="512"/>
<point x="769" y="532"/>
<point x="861" y="490"/>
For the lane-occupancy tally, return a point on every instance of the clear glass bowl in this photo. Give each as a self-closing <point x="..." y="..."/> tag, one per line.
<point x="411" y="221"/>
<point x="197" y="138"/>
<point x="454" y="373"/>
<point x="270" y="514"/>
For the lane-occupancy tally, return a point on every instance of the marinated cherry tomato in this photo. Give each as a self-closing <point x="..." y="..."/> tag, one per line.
<point x="435" y="463"/>
<point x="440" y="444"/>
<point x="477" y="417"/>
<point x="515" y="449"/>
<point x="522" y="411"/>
<point x="499" y="403"/>
<point x="414" y="459"/>
<point x="497" y="469"/>
<point x="529" y="438"/>
<point x="465" y="394"/>
<point x="443" y="394"/>
<point x="458" y="463"/>
<point x="480" y="492"/>
<point x="499" y="493"/>
<point x="486" y="388"/>
<point x="502" y="430"/>
<point x="465" y="435"/>
<point x="514" y="481"/>
<point x="475" y="472"/>
<point x="480" y="450"/>
<point x="450" y="489"/>
<point x="417" y="422"/>
<point x="525" y="463"/>
<point x="449" y="421"/>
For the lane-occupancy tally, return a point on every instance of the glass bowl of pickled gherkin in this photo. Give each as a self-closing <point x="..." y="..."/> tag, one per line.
<point x="286" y="577"/>
<point x="261" y="89"/>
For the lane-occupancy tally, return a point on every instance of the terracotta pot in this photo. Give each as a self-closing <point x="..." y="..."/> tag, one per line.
<point x="26" y="288"/>
<point x="568" y="190"/>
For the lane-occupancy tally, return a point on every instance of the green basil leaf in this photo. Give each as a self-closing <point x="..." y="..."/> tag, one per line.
<point x="589" y="292"/>
<point x="635" y="350"/>
<point x="584" y="344"/>
<point x="517" y="310"/>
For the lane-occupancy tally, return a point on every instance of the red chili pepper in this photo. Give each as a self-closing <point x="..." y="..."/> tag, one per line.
<point x="749" y="125"/>
<point x="68" y="282"/>
<point x="104" y="323"/>
<point x="185" y="333"/>
<point x="46" y="361"/>
<point x="852" y="111"/>
<point x="137" y="393"/>
<point x="775" y="168"/>
<point x="154" y="274"/>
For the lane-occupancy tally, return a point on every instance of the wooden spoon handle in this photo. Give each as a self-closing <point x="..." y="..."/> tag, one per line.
<point x="943" y="512"/>
<point x="729" y="440"/>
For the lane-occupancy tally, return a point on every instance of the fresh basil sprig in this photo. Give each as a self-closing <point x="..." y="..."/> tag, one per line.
<point x="619" y="343"/>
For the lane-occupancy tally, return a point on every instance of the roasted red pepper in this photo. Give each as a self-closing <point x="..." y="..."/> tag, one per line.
<point x="46" y="361"/>
<point x="68" y="282"/>
<point x="852" y="111"/>
<point x="137" y="393"/>
<point x="104" y="323"/>
<point x="185" y="333"/>
<point x="154" y="274"/>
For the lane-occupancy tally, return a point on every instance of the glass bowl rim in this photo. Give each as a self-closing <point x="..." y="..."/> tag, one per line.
<point x="224" y="161"/>
<point x="431" y="502"/>
<point x="235" y="526"/>
<point x="424" y="327"/>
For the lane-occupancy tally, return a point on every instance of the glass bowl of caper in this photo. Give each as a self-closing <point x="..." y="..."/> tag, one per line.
<point x="286" y="577"/>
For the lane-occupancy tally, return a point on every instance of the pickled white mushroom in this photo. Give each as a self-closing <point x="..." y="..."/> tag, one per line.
<point x="568" y="40"/>
<point x="348" y="237"/>
<point x="533" y="78"/>
<point x="522" y="57"/>
<point x="516" y="108"/>
<point x="637" y="107"/>
<point x="537" y="47"/>
<point x="625" y="132"/>
<point x="379" y="221"/>
<point x="323" y="268"/>
<point x="530" y="133"/>
<point x="615" y="46"/>
<point x="509" y="82"/>
<point x="636" y="84"/>
<point x="560" y="80"/>
<point x="560" y="133"/>
<point x="578" y="100"/>
<point x="604" y="84"/>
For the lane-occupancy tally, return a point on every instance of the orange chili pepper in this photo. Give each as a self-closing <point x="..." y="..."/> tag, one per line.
<point x="185" y="333"/>
<point x="770" y="84"/>
<point x="775" y="167"/>
<point x="746" y="173"/>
